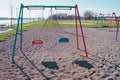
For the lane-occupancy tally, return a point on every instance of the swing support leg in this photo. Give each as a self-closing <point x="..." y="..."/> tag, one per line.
<point x="77" y="17"/>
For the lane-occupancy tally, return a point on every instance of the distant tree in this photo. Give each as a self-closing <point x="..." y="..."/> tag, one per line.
<point x="11" y="15"/>
<point x="71" y="17"/>
<point x="88" y="15"/>
<point x="95" y="16"/>
<point x="61" y="16"/>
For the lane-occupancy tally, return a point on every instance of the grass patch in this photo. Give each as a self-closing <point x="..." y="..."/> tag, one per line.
<point x="4" y="36"/>
<point x="54" y="24"/>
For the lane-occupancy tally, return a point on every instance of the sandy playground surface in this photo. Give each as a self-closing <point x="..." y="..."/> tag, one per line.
<point x="62" y="61"/>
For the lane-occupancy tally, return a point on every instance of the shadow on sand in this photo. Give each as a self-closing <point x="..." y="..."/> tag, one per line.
<point x="46" y="78"/>
<point x="50" y="65"/>
<point x="104" y="61"/>
<point x="84" y="64"/>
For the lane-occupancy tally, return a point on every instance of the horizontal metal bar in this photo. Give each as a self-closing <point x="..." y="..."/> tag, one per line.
<point x="35" y="8"/>
<point x="63" y="8"/>
<point x="42" y="6"/>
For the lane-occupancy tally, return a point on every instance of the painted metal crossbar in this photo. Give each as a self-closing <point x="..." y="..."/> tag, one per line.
<point x="43" y="6"/>
<point x="32" y="8"/>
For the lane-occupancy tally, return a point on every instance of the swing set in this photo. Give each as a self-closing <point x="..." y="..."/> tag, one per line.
<point x="112" y="18"/>
<point x="116" y="22"/>
<point x="19" y="26"/>
<point x="101" y="19"/>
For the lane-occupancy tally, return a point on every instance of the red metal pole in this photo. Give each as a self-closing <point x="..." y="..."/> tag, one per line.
<point x="77" y="44"/>
<point x="113" y="16"/>
<point x="117" y="30"/>
<point x="81" y="31"/>
<point x="117" y="24"/>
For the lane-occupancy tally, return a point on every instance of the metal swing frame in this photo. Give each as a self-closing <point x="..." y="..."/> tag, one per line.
<point x="117" y="24"/>
<point x="20" y="25"/>
<point x="100" y="18"/>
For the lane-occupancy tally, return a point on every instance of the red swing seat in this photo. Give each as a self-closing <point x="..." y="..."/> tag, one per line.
<point x="37" y="42"/>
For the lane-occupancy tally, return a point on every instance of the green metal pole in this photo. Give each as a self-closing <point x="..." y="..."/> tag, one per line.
<point x="15" y="40"/>
<point x="21" y="28"/>
<point x="101" y="20"/>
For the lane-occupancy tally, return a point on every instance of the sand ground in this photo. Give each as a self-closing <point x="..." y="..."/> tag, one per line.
<point x="62" y="61"/>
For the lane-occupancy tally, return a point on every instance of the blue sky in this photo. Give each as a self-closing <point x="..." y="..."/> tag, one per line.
<point x="97" y="6"/>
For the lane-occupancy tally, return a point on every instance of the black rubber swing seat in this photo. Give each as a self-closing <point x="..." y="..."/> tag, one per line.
<point x="105" y="26"/>
<point x="37" y="42"/>
<point x="63" y="40"/>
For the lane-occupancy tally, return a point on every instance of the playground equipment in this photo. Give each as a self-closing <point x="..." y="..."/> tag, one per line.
<point x="37" y="42"/>
<point x="61" y="40"/>
<point x="105" y="25"/>
<point x="32" y="7"/>
<point x="50" y="20"/>
<point x="101" y="18"/>
<point x="116" y="22"/>
<point x="117" y="29"/>
<point x="113" y="18"/>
